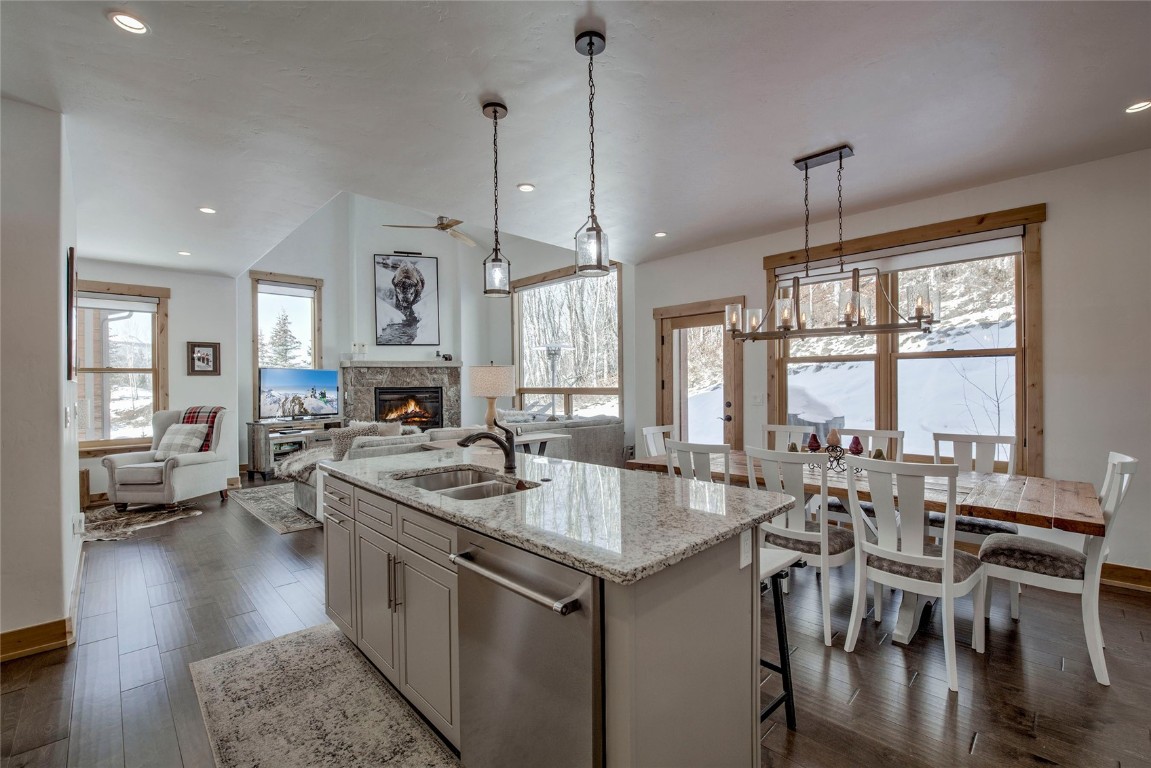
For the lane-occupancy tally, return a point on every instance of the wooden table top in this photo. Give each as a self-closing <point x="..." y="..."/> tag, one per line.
<point x="1065" y="505"/>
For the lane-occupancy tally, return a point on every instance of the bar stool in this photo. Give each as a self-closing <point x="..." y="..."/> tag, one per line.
<point x="773" y="566"/>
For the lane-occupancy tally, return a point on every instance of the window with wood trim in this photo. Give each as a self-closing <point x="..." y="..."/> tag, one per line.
<point x="568" y="346"/>
<point x="286" y="327"/>
<point x="121" y="362"/>
<point x="978" y="371"/>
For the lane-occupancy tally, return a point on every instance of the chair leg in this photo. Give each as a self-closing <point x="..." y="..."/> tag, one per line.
<point x="858" y="605"/>
<point x="224" y="495"/>
<point x="777" y="581"/>
<point x="825" y="598"/>
<point x="877" y="598"/>
<point x="1014" y="589"/>
<point x="987" y="597"/>
<point x="979" y="615"/>
<point x="1094" y="634"/>
<point x="949" y="640"/>
<point x="786" y="586"/>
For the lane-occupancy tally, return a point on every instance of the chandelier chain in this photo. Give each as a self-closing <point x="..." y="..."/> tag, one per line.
<point x="839" y="179"/>
<point x="806" y="226"/>
<point x="591" y="118"/>
<point x="496" y="180"/>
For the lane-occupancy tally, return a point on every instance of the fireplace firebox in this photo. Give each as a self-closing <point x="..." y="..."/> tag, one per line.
<point x="422" y="407"/>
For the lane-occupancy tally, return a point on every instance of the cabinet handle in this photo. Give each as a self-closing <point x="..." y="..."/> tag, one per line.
<point x="335" y="518"/>
<point x="397" y="571"/>
<point x="563" y="605"/>
<point x="391" y="583"/>
<point x="339" y="498"/>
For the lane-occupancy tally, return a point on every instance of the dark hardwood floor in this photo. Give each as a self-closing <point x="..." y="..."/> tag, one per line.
<point x="122" y="696"/>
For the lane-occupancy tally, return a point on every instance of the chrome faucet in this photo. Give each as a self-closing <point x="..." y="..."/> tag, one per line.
<point x="507" y="444"/>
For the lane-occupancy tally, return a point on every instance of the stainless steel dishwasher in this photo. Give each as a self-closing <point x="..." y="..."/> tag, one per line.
<point x="531" y="690"/>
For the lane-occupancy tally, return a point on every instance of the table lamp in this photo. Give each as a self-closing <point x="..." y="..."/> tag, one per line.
<point x="492" y="381"/>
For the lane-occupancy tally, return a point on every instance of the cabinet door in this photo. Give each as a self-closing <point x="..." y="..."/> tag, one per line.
<point x="339" y="570"/>
<point x="429" y="661"/>
<point x="376" y="617"/>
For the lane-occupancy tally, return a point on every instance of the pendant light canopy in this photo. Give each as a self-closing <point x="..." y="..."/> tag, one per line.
<point x="497" y="269"/>
<point x="590" y="240"/>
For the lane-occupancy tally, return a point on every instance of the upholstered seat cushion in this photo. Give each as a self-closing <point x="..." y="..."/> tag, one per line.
<point x="838" y="506"/>
<point x="965" y="565"/>
<point x="975" y="525"/>
<point x="1027" y="554"/>
<point x="838" y="539"/>
<point x="151" y="473"/>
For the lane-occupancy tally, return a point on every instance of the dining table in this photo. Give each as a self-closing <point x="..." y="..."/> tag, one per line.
<point x="1040" y="502"/>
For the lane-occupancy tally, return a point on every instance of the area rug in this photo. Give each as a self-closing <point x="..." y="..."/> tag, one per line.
<point x="309" y="699"/>
<point x="106" y="524"/>
<point x="275" y="507"/>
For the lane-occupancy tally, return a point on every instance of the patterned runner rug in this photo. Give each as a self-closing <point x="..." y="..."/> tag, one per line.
<point x="275" y="507"/>
<point x="309" y="699"/>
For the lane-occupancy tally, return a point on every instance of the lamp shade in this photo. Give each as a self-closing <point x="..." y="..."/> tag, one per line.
<point x="492" y="380"/>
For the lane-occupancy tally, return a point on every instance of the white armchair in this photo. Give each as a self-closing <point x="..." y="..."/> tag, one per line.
<point x="137" y="478"/>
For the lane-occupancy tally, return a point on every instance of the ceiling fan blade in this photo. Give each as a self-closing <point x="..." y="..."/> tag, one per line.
<point x="449" y="224"/>
<point x="411" y="226"/>
<point x="462" y="237"/>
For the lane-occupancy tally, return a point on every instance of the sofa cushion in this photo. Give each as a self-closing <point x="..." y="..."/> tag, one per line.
<point x="149" y="473"/>
<point x="1035" y="555"/>
<point x="342" y="438"/>
<point x="976" y="525"/>
<point x="179" y="439"/>
<point x="965" y="565"/>
<point x="839" y="540"/>
<point x="374" y="441"/>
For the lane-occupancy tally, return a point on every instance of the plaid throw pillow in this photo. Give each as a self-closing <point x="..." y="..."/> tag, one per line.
<point x="181" y="438"/>
<point x="203" y="414"/>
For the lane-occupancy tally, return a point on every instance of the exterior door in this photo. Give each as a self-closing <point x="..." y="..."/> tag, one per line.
<point x="700" y="381"/>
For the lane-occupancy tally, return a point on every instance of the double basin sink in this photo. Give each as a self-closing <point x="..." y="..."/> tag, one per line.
<point x="467" y="484"/>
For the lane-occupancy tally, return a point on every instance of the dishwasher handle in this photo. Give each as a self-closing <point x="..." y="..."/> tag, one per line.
<point x="562" y="606"/>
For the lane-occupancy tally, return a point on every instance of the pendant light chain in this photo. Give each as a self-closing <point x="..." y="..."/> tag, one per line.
<point x="591" y="118"/>
<point x="806" y="227"/>
<point x="839" y="178"/>
<point x="496" y="181"/>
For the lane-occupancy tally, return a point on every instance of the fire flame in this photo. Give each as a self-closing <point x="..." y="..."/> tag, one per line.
<point x="410" y="411"/>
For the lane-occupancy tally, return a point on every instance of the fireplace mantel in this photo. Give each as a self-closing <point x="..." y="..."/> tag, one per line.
<point x="400" y="364"/>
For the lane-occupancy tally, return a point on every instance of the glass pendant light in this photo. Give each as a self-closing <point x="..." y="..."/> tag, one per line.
<point x="497" y="269"/>
<point x="591" y="241"/>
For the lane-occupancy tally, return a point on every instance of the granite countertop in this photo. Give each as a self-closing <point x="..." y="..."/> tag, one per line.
<point x="618" y="524"/>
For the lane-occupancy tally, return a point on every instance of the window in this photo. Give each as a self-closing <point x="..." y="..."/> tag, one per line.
<point x="121" y="362"/>
<point x="981" y="368"/>
<point x="285" y="324"/>
<point x="568" y="343"/>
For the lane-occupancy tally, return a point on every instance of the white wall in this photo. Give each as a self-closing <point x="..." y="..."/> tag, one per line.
<point x="1096" y="288"/>
<point x="202" y="308"/>
<point x="38" y="478"/>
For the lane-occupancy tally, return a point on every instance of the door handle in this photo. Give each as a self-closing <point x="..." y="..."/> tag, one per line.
<point x="563" y="606"/>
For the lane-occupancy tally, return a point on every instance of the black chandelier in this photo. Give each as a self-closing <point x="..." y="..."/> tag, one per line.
<point x="497" y="269"/>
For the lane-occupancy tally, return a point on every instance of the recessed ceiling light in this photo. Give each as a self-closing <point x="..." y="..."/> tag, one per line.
<point x="128" y="23"/>
<point x="660" y="234"/>
<point x="183" y="253"/>
<point x="525" y="187"/>
<point x="1139" y="107"/>
<point x="207" y="210"/>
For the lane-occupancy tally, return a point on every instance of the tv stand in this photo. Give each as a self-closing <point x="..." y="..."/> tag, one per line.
<point x="271" y="441"/>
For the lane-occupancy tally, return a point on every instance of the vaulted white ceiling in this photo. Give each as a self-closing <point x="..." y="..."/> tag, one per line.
<point x="265" y="110"/>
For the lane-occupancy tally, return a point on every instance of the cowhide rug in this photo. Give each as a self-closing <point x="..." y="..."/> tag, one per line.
<point x="106" y="524"/>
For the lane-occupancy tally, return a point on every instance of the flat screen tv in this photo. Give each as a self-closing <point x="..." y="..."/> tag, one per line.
<point x="299" y="393"/>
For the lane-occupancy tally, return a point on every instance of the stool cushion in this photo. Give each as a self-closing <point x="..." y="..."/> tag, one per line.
<point x="839" y="540"/>
<point x="965" y="565"/>
<point x="151" y="473"/>
<point x="976" y="525"/>
<point x="1027" y="554"/>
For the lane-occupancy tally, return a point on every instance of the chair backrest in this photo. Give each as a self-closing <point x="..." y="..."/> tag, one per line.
<point x="653" y="439"/>
<point x="890" y="440"/>
<point x="779" y="436"/>
<point x="899" y="535"/>
<point x="782" y="471"/>
<point x="161" y="420"/>
<point x="1120" y="469"/>
<point x="976" y="452"/>
<point x="695" y="460"/>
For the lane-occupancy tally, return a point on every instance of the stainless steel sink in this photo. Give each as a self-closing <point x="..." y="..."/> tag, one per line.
<point x="453" y="478"/>
<point x="480" y="491"/>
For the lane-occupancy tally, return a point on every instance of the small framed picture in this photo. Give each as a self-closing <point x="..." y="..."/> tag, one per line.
<point x="203" y="358"/>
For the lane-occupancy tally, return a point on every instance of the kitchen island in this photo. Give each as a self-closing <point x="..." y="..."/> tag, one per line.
<point x="589" y="616"/>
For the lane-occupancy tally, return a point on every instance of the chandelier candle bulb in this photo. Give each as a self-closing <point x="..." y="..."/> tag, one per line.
<point x="753" y="318"/>
<point x="734" y="313"/>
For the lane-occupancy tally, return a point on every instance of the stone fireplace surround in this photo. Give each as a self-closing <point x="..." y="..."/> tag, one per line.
<point x="359" y="379"/>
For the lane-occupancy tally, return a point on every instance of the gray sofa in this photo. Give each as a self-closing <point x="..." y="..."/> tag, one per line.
<point x="594" y="440"/>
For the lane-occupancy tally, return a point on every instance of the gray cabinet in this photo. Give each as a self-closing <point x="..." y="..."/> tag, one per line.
<point x="339" y="569"/>
<point x="377" y="628"/>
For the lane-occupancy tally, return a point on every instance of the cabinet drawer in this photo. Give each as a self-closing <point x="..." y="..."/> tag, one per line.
<point x="427" y="535"/>
<point x="338" y="494"/>
<point x="381" y="511"/>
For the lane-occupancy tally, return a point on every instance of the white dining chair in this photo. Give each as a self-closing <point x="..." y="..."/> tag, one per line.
<point x="1046" y="564"/>
<point x="695" y="459"/>
<point x="889" y="440"/>
<point x="779" y="436"/>
<point x="653" y="439"/>
<point x="821" y="545"/>
<point x="899" y="558"/>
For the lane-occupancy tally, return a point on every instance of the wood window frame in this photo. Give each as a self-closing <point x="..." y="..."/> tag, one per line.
<point x="317" y="284"/>
<point x="93" y="449"/>
<point x="567" y="393"/>
<point x="1029" y="323"/>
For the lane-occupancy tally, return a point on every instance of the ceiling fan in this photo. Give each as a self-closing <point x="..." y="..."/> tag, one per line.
<point x="443" y="224"/>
